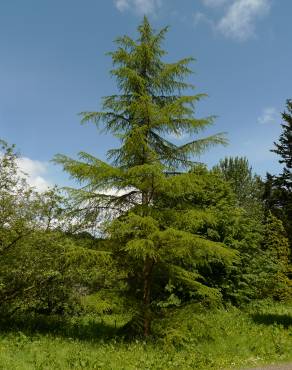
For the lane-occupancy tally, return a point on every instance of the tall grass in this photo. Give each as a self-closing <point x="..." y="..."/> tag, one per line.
<point x="191" y="338"/>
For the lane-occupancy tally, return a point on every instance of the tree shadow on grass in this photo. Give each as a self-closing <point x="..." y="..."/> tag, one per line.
<point x="271" y="319"/>
<point x="93" y="330"/>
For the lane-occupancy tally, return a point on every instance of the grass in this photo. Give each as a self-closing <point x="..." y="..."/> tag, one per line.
<point x="189" y="339"/>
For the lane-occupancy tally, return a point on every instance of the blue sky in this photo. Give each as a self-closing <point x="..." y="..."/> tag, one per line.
<point x="53" y="66"/>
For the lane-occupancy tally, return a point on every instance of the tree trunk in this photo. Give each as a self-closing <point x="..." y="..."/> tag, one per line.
<point x="148" y="265"/>
<point x="147" y="271"/>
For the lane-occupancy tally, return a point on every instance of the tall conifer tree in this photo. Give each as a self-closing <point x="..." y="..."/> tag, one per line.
<point x="146" y="241"/>
<point x="284" y="148"/>
<point x="278" y="194"/>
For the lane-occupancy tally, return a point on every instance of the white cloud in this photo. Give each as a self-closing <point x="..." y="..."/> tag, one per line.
<point x="139" y="6"/>
<point x="34" y="172"/>
<point x="269" y="115"/>
<point x="239" y="20"/>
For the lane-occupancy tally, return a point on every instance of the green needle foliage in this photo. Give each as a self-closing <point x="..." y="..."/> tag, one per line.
<point x="247" y="186"/>
<point x="277" y="249"/>
<point x="278" y="194"/>
<point x="147" y="242"/>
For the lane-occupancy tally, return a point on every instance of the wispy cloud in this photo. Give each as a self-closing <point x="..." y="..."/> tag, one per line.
<point x="235" y="19"/>
<point x="200" y="17"/>
<point x="269" y="115"/>
<point x="239" y="17"/>
<point x="138" y="6"/>
<point x="34" y="171"/>
<point x="239" y="21"/>
<point x="214" y="3"/>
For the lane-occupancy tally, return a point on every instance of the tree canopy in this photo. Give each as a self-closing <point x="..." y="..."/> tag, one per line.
<point x="150" y="108"/>
<point x="278" y="189"/>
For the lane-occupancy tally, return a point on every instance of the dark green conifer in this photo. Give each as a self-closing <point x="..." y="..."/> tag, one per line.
<point x="278" y="194"/>
<point x="284" y="148"/>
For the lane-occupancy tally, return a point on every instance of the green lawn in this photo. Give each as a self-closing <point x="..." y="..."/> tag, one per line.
<point x="221" y="339"/>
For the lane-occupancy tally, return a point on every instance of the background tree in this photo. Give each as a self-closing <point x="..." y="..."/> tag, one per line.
<point x="284" y="147"/>
<point x="277" y="252"/>
<point x="254" y="234"/>
<point x="150" y="249"/>
<point x="278" y="190"/>
<point x="43" y="266"/>
<point x="248" y="187"/>
<point x="16" y="216"/>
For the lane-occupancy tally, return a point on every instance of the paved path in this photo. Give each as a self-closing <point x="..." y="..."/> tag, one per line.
<point x="274" y="367"/>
